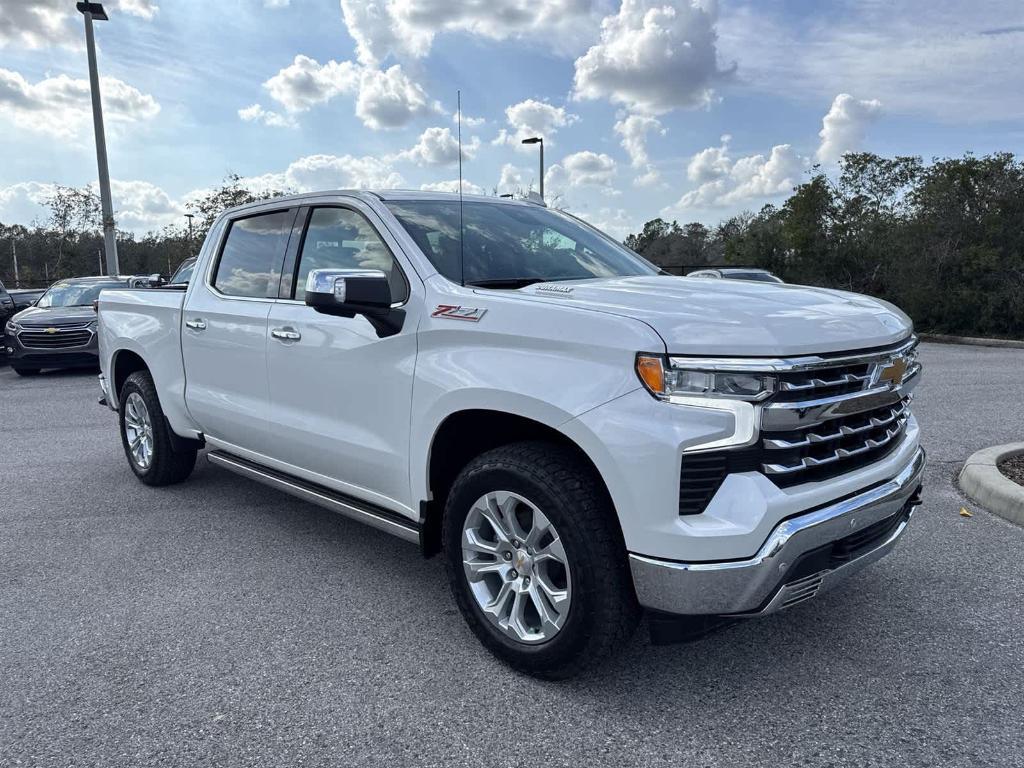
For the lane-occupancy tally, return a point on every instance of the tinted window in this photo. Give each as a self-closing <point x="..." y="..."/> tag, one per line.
<point x="340" y="238"/>
<point x="71" y="294"/>
<point x="508" y="242"/>
<point x="250" y="264"/>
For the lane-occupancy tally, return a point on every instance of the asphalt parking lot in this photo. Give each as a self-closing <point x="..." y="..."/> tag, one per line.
<point x="220" y="623"/>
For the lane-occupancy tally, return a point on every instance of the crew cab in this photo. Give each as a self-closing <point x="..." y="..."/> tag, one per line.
<point x="581" y="436"/>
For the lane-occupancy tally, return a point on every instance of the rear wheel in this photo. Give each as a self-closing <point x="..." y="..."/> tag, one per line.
<point x="536" y="560"/>
<point x="25" y="371"/>
<point x="146" y="437"/>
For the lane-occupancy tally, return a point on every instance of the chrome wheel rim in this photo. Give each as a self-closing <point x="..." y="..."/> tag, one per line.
<point x="138" y="429"/>
<point x="516" y="567"/>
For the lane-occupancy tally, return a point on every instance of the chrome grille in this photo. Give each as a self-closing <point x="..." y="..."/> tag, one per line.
<point x="62" y="338"/>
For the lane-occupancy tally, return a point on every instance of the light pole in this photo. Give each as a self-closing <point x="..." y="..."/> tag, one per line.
<point x="189" y="217"/>
<point x="95" y="11"/>
<point x="14" y="255"/>
<point x="538" y="140"/>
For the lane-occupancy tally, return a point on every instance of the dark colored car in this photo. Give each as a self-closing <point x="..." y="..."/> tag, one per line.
<point x="26" y="297"/>
<point x="6" y="304"/>
<point x="60" y="330"/>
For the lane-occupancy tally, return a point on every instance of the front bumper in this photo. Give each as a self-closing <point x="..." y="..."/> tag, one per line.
<point x="79" y="356"/>
<point x="802" y="557"/>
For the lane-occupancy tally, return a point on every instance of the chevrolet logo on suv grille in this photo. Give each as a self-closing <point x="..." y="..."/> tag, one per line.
<point x="51" y="330"/>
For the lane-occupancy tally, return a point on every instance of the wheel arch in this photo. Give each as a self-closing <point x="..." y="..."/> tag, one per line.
<point x="124" y="363"/>
<point x="461" y="436"/>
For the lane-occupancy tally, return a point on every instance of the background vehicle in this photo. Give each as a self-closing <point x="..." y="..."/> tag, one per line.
<point x="580" y="435"/>
<point x="26" y="297"/>
<point x="737" y="273"/>
<point x="184" y="272"/>
<point x="59" y="331"/>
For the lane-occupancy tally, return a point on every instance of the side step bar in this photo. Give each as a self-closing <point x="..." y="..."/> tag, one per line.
<point x="377" y="517"/>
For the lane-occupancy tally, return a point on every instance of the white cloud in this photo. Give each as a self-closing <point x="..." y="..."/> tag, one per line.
<point x="40" y="23"/>
<point x="276" y="3"/>
<point x="845" y="125"/>
<point x="138" y="205"/>
<point x="320" y="172"/>
<point x="389" y="99"/>
<point x="469" y="122"/>
<point x="533" y="118"/>
<point x="257" y="114"/>
<point x="512" y="179"/>
<point x="305" y="82"/>
<point x="653" y="57"/>
<point x="468" y="187"/>
<point x="384" y="98"/>
<point x="581" y="169"/>
<point x="438" y="146"/>
<point x="924" y="58"/>
<point x="142" y="207"/>
<point x="62" y="106"/>
<point x="406" y="28"/>
<point x="724" y="181"/>
<point x="634" y="129"/>
<point x="144" y="9"/>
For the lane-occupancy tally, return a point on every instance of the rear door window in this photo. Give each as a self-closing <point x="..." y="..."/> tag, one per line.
<point x="250" y="262"/>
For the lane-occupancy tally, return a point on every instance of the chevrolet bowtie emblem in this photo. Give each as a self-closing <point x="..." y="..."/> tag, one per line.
<point x="51" y="330"/>
<point x="892" y="373"/>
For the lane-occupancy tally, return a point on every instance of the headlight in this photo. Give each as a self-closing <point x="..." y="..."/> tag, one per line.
<point x="91" y="326"/>
<point x="663" y="380"/>
<point x="12" y="327"/>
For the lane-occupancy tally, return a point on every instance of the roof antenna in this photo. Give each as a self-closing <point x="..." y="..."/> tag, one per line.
<point x="462" y="249"/>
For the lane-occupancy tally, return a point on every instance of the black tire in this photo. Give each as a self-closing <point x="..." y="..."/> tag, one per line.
<point x="25" y="371"/>
<point x="167" y="466"/>
<point x="603" y="611"/>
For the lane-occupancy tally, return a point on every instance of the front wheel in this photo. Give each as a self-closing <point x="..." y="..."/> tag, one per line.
<point x="536" y="560"/>
<point x="146" y="437"/>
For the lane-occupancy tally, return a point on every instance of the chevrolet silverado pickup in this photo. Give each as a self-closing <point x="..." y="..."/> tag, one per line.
<point x="580" y="436"/>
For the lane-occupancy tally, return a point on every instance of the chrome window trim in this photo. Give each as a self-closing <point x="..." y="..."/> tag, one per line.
<point x="785" y="364"/>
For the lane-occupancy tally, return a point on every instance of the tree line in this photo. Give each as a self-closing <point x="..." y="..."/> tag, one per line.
<point x="942" y="240"/>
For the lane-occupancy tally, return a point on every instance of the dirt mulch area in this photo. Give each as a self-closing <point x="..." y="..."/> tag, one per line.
<point x="1013" y="468"/>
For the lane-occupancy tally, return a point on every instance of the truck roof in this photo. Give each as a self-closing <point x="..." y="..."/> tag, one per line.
<point x="386" y="195"/>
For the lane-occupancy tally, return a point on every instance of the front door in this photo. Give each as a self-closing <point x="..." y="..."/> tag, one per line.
<point x="224" y="331"/>
<point x="341" y="396"/>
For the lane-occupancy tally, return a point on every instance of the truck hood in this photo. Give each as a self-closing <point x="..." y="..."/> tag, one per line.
<point x="701" y="316"/>
<point x="42" y="317"/>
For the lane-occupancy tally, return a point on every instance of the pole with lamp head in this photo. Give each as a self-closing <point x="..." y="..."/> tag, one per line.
<point x="94" y="11"/>
<point x="538" y="140"/>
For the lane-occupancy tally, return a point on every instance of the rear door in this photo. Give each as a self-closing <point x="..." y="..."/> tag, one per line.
<point x="224" y="331"/>
<point x="341" y="396"/>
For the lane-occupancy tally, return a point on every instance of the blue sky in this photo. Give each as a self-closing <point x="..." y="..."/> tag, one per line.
<point x="693" y="111"/>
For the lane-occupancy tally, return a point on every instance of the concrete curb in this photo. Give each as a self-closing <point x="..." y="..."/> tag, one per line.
<point x="941" y="338"/>
<point x="982" y="481"/>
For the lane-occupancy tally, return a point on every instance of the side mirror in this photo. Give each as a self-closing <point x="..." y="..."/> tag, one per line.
<point x="351" y="292"/>
<point x="155" y="280"/>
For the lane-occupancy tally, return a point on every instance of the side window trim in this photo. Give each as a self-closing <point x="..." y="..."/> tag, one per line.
<point x="376" y="230"/>
<point x="211" y="275"/>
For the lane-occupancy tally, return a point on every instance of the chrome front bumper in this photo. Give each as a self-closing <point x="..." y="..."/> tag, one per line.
<point x="798" y="560"/>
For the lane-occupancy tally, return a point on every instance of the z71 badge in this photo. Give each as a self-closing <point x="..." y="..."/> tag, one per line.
<point x="455" y="312"/>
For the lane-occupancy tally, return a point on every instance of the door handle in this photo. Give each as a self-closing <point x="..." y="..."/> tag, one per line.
<point x="196" y="325"/>
<point x="286" y="334"/>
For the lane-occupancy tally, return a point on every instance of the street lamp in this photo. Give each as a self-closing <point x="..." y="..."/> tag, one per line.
<point x="189" y="217"/>
<point x="538" y="140"/>
<point x="95" y="11"/>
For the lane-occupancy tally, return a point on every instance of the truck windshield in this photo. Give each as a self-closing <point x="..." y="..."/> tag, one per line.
<point x="508" y="246"/>
<point x="69" y="294"/>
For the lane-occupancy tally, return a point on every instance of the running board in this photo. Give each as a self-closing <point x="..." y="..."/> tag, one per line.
<point x="377" y="517"/>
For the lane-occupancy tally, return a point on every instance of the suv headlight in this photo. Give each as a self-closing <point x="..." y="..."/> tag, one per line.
<point x="664" y="380"/>
<point x="12" y="327"/>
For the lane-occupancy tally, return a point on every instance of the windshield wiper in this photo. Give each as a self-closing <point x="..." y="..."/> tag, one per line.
<point x="507" y="282"/>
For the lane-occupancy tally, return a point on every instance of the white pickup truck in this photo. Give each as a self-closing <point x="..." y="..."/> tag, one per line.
<point x="580" y="435"/>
